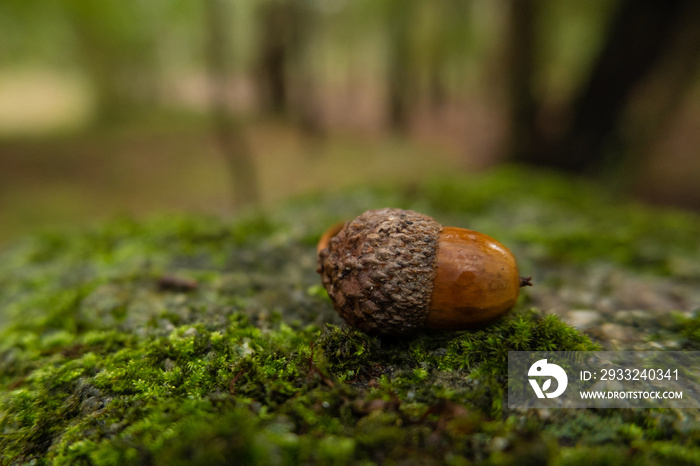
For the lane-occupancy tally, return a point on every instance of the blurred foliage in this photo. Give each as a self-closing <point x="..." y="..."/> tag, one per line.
<point x="132" y="50"/>
<point x="437" y="72"/>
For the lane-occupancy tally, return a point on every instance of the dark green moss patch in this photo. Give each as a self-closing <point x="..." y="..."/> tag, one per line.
<point x="446" y="366"/>
<point x="202" y="341"/>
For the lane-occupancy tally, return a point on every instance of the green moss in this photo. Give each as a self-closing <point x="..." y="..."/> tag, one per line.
<point x="689" y="328"/>
<point x="436" y="367"/>
<point x="103" y="362"/>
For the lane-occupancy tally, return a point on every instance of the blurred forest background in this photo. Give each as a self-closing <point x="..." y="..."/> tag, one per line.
<point x="142" y="106"/>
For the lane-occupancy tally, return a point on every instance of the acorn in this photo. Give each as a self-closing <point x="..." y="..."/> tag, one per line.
<point x="394" y="271"/>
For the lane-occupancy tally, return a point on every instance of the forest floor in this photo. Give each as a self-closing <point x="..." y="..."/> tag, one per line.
<point x="177" y="166"/>
<point x="195" y="339"/>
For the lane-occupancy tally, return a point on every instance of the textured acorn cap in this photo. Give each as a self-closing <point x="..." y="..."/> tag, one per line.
<point x="379" y="270"/>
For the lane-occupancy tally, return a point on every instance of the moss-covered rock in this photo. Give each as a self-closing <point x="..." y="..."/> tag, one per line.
<point x="206" y="341"/>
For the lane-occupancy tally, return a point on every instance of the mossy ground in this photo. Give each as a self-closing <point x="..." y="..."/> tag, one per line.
<point x="209" y="341"/>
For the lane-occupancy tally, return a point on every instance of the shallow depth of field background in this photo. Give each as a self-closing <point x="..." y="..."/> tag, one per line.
<point x="126" y="107"/>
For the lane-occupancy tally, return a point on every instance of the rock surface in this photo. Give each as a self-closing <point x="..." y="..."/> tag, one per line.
<point x="199" y="340"/>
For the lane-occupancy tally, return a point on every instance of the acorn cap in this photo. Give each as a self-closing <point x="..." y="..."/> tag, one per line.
<point x="379" y="270"/>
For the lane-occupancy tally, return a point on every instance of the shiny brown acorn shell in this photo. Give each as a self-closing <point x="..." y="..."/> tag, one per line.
<point x="395" y="271"/>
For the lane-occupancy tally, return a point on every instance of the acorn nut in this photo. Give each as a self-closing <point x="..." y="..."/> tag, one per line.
<point x="395" y="271"/>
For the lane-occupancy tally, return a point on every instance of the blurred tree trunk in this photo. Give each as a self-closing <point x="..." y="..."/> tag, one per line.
<point x="285" y="69"/>
<point x="232" y="141"/>
<point x="306" y="102"/>
<point x="674" y="78"/>
<point x="274" y="54"/>
<point x="437" y="89"/>
<point x="118" y="54"/>
<point x="520" y="49"/>
<point x="639" y="36"/>
<point x="402" y="85"/>
<point x="447" y="16"/>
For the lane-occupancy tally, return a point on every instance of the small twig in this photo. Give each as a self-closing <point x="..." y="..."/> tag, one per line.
<point x="313" y="369"/>
<point x="173" y="283"/>
<point x="231" y="387"/>
<point x="22" y="456"/>
<point x="311" y="359"/>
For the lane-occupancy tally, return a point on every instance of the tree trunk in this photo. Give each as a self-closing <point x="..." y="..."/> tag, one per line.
<point x="122" y="67"/>
<point x="675" y="77"/>
<point x="232" y="141"/>
<point x="401" y="75"/>
<point x="306" y="101"/>
<point x="520" y="72"/>
<point x="274" y="55"/>
<point x="638" y="37"/>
